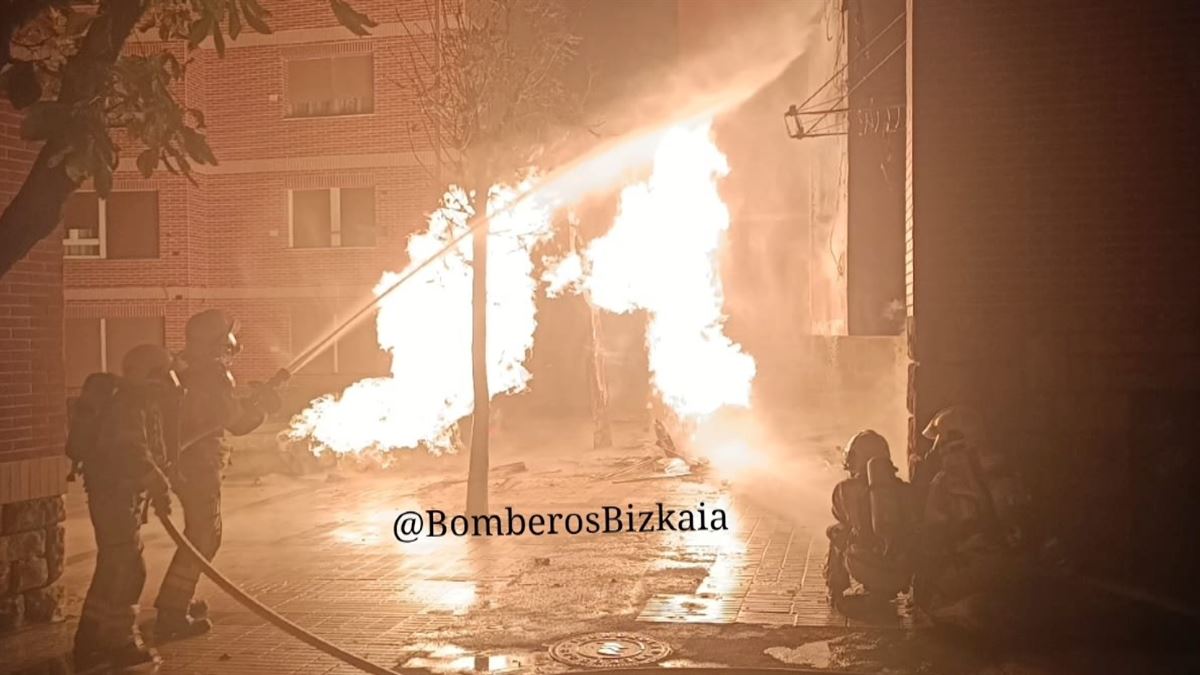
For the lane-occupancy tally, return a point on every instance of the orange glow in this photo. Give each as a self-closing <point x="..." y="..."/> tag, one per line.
<point x="661" y="256"/>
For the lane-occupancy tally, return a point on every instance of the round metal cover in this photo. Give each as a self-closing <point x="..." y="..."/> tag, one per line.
<point x="609" y="650"/>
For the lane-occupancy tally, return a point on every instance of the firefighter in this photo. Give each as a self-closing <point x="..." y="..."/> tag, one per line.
<point x="869" y="542"/>
<point x="211" y="406"/>
<point x="117" y="442"/>
<point x="975" y="521"/>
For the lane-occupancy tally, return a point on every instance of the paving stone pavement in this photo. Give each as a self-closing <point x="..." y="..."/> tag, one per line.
<point x="323" y="556"/>
<point x="772" y="576"/>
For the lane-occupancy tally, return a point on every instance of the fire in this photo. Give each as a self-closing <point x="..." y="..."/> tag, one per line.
<point x="661" y="256"/>
<point x="426" y="327"/>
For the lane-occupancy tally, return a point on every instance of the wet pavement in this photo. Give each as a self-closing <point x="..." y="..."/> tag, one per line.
<point x="322" y="554"/>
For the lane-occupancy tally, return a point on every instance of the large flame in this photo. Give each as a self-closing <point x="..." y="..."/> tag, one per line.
<point x="426" y="327"/>
<point x="661" y="256"/>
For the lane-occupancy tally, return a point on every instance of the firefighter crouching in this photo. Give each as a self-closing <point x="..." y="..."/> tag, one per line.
<point x="870" y="542"/>
<point x="117" y="442"/>
<point x="975" y="526"/>
<point x="209" y="408"/>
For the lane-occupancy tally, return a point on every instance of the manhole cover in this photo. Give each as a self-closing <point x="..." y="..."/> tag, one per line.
<point x="609" y="650"/>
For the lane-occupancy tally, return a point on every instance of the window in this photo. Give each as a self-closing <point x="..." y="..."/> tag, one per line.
<point x="356" y="352"/>
<point x="122" y="227"/>
<point x="95" y="345"/>
<point x="84" y="349"/>
<point x="81" y="223"/>
<point x="332" y="217"/>
<point x="339" y="85"/>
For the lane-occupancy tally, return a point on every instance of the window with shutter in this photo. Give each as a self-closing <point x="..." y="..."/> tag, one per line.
<point x="324" y="87"/>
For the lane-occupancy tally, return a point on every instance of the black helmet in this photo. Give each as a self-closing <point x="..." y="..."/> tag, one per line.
<point x="211" y="333"/>
<point x="862" y="448"/>
<point x="145" y="362"/>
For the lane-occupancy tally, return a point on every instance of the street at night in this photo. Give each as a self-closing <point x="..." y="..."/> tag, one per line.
<point x="565" y="336"/>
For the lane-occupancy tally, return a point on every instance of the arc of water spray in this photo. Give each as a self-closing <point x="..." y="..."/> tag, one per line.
<point x="558" y="178"/>
<point x="588" y="173"/>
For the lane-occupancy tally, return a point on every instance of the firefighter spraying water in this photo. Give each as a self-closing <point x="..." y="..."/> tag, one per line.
<point x="209" y="408"/>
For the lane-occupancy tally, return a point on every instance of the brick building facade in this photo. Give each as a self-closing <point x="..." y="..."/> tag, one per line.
<point x="1053" y="282"/>
<point x="321" y="177"/>
<point x="32" y="411"/>
<point x="319" y="182"/>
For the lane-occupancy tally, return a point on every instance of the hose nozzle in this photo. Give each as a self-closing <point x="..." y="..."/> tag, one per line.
<point x="280" y="378"/>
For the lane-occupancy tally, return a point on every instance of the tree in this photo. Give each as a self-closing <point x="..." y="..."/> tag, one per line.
<point x="596" y="369"/>
<point x="496" y="92"/>
<point x="63" y="64"/>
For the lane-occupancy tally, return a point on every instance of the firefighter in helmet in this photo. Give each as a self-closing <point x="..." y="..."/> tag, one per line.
<point x="975" y="517"/>
<point x="211" y="406"/>
<point x="869" y="542"/>
<point x="117" y="441"/>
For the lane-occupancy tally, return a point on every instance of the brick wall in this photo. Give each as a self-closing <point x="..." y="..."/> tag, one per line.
<point x="224" y="240"/>
<point x="32" y="411"/>
<point x="1052" y="215"/>
<point x="31" y="305"/>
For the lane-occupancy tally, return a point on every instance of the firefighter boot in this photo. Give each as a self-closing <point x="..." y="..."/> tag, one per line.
<point x="175" y="625"/>
<point x="198" y="609"/>
<point x="89" y="650"/>
<point x="132" y="654"/>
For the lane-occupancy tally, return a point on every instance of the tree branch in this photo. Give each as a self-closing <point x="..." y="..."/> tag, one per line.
<point x="35" y="211"/>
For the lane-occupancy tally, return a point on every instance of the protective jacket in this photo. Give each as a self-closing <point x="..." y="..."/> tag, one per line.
<point x="210" y="408"/>
<point x="120" y="447"/>
<point x="870" y="541"/>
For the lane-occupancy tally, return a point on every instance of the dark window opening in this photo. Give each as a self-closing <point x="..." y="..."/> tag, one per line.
<point x="122" y="227"/>
<point x="356" y="352"/>
<point x="123" y="334"/>
<point x="99" y="345"/>
<point x="312" y="224"/>
<point x="81" y="226"/>
<point x="341" y="85"/>
<point x="82" y="345"/>
<point x="131" y="228"/>
<point x="358" y="216"/>
<point x="333" y="217"/>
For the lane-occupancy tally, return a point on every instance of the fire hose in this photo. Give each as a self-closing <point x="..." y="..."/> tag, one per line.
<point x="243" y="598"/>
<point x="266" y="613"/>
<point x="481" y="220"/>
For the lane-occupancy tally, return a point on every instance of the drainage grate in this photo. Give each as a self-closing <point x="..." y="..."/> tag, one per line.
<point x="609" y="650"/>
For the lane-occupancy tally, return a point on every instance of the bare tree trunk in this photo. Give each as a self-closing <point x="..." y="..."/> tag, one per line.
<point x="477" y="474"/>
<point x="598" y="383"/>
<point x="37" y="207"/>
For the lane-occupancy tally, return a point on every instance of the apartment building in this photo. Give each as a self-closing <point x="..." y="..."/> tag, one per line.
<point x="320" y="180"/>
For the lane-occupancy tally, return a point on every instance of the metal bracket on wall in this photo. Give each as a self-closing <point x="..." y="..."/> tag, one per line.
<point x="871" y="120"/>
<point x="796" y="128"/>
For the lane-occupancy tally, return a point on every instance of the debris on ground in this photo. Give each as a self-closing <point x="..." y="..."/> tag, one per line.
<point x="506" y="469"/>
